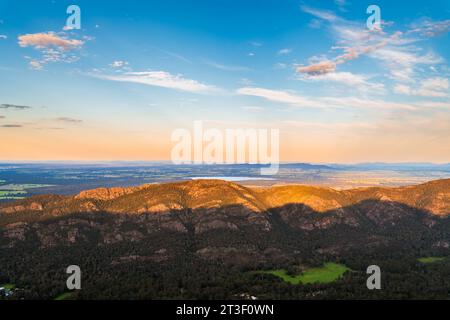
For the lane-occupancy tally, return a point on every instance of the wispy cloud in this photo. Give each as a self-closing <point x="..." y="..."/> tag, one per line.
<point x="68" y="120"/>
<point x="340" y="2"/>
<point x="350" y="53"/>
<point x="162" y="79"/>
<point x="278" y="96"/>
<point x="318" y="68"/>
<point x="322" y="14"/>
<point x="226" y="67"/>
<point x="357" y="81"/>
<point x="119" y="64"/>
<point x="253" y="108"/>
<point x="11" y="126"/>
<point x="13" y="106"/>
<point x="395" y="49"/>
<point x="284" y="51"/>
<point x="256" y="43"/>
<point x="402" y="62"/>
<point x="36" y="65"/>
<point x="175" y="55"/>
<point x="432" y="87"/>
<point x="3" y="36"/>
<point x="429" y="28"/>
<point x="322" y="102"/>
<point x="330" y="126"/>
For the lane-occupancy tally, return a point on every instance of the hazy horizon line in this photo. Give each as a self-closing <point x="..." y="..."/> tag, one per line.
<point x="205" y="164"/>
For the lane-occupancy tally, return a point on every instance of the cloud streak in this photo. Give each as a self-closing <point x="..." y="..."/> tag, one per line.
<point x="11" y="126"/>
<point x="13" y="106"/>
<point x="348" y="79"/>
<point x="162" y="79"/>
<point x="350" y="53"/>
<point x="226" y="67"/>
<point x="68" y="120"/>
<point x="322" y="102"/>
<point x="432" y="87"/>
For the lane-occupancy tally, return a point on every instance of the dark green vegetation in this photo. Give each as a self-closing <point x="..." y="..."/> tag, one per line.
<point x="160" y="243"/>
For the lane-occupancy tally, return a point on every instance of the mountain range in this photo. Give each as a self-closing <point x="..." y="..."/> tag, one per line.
<point x="214" y="223"/>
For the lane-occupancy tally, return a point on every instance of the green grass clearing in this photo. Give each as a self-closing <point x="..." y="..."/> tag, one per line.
<point x="328" y="273"/>
<point x="431" y="259"/>
<point x="7" y="286"/>
<point x="65" y="296"/>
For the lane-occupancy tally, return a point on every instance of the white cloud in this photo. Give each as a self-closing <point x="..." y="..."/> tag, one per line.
<point x="432" y="87"/>
<point x="322" y="14"/>
<point x="119" y="64"/>
<point x="245" y="82"/>
<point x="436" y="83"/>
<point x="35" y="65"/>
<point x="284" y="51"/>
<point x="428" y="28"/>
<point x="402" y="61"/>
<point x="340" y="2"/>
<point x="277" y="96"/>
<point x="256" y="43"/>
<point x="161" y="79"/>
<point x="330" y="126"/>
<point x="280" y="65"/>
<point x="2" y="36"/>
<point x="226" y="67"/>
<point x="349" y="79"/>
<point x="253" y="108"/>
<point x="402" y="89"/>
<point x="322" y="102"/>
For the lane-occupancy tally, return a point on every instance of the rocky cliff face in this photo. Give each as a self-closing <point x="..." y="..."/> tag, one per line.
<point x="199" y="207"/>
<point x="432" y="197"/>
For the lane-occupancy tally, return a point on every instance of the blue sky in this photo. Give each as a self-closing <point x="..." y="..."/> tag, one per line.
<point x="137" y="70"/>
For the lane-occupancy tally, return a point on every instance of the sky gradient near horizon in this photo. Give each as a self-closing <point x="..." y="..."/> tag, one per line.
<point x="136" y="71"/>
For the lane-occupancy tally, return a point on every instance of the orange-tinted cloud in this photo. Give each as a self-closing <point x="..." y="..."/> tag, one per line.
<point x="318" y="68"/>
<point x="46" y="40"/>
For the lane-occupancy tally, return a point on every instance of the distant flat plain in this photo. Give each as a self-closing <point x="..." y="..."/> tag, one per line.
<point x="19" y="180"/>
